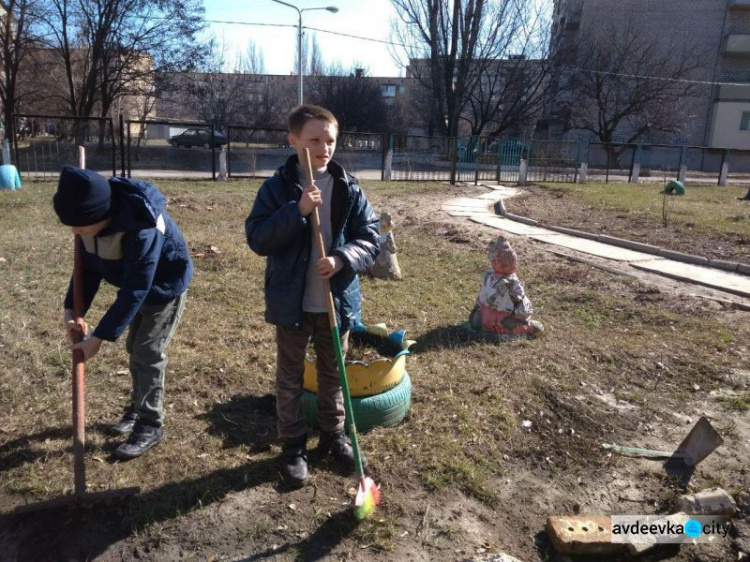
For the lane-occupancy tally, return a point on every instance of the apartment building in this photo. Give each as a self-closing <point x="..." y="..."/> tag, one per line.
<point x="718" y="113"/>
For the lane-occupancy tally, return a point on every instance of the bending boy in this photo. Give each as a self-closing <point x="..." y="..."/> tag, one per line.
<point x="130" y="242"/>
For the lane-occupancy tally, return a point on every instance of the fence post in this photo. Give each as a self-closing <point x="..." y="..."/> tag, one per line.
<point x="223" y="164"/>
<point x="682" y="174"/>
<point x="212" y="145"/>
<point x="14" y="141"/>
<point x="130" y="154"/>
<point x="454" y="157"/>
<point x="583" y="173"/>
<point x="635" y="166"/>
<point x="229" y="151"/>
<point x="122" y="146"/>
<point x="114" y="145"/>
<point x="499" y="159"/>
<point x="81" y="157"/>
<point x="384" y="146"/>
<point x="523" y="171"/>
<point x="724" y="173"/>
<point x="476" y="160"/>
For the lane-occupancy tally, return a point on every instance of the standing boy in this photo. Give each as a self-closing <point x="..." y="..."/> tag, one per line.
<point x="280" y="227"/>
<point x="130" y="242"/>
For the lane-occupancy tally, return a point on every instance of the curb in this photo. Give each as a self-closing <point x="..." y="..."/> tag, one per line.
<point x="729" y="266"/>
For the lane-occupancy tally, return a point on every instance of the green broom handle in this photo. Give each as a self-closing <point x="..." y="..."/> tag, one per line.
<point x="335" y="335"/>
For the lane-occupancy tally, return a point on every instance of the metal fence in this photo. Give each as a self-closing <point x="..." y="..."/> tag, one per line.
<point x="42" y="144"/>
<point x="167" y="148"/>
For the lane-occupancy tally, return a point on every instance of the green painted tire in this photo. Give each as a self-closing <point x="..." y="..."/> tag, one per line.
<point x="381" y="410"/>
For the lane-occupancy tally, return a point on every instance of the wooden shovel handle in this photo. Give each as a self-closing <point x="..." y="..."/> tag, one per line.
<point x="318" y="235"/>
<point x="79" y="416"/>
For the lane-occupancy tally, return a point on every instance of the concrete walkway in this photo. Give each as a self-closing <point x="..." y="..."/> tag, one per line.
<point x="677" y="266"/>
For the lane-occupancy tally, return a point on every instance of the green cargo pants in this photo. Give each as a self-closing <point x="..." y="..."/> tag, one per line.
<point x="148" y="337"/>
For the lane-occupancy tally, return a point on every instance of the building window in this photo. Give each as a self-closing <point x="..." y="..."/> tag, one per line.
<point x="388" y="90"/>
<point x="745" y="121"/>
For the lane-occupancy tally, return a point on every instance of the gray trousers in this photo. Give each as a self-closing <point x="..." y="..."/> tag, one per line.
<point x="148" y="337"/>
<point x="290" y="369"/>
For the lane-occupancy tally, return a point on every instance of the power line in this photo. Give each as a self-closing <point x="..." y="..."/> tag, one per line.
<point x="658" y="78"/>
<point x="251" y="23"/>
<point x="355" y="36"/>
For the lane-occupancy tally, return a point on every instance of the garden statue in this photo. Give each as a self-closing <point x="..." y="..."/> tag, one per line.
<point x="502" y="306"/>
<point x="386" y="264"/>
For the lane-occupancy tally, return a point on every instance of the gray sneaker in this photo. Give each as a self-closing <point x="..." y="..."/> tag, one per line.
<point x="125" y="425"/>
<point x="143" y="438"/>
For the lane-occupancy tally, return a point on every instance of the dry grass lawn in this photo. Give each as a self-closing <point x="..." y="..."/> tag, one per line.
<point x="620" y="361"/>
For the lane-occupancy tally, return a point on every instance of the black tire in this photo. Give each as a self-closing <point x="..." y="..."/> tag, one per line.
<point x="382" y="410"/>
<point x="175" y="144"/>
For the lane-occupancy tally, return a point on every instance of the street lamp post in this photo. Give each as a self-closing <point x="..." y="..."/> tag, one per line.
<point x="332" y="9"/>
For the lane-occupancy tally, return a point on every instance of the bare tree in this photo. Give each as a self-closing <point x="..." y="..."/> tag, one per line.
<point x="626" y="84"/>
<point x="17" y="43"/>
<point x="512" y="92"/>
<point x="305" y="57"/>
<point x="108" y="48"/>
<point x="317" y="67"/>
<point x="352" y="97"/>
<point x="450" y="44"/>
<point x="215" y="95"/>
<point x="253" y="61"/>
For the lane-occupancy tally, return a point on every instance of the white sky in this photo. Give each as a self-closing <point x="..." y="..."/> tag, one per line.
<point x="366" y="18"/>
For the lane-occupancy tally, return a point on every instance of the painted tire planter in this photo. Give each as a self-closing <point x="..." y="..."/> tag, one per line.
<point x="382" y="410"/>
<point x="376" y="377"/>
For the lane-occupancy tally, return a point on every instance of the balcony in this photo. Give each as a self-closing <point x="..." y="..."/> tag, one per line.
<point x="737" y="45"/>
<point x="740" y="4"/>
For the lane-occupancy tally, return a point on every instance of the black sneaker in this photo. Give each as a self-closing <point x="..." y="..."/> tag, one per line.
<point x="125" y="425"/>
<point x="338" y="444"/>
<point x="141" y="440"/>
<point x="294" y="461"/>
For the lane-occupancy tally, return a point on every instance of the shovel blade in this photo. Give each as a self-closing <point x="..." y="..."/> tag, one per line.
<point x="699" y="443"/>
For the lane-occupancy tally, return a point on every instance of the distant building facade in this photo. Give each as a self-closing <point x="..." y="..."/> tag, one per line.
<point x="718" y="114"/>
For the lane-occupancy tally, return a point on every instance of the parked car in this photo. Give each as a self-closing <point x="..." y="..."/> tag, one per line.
<point x="198" y="137"/>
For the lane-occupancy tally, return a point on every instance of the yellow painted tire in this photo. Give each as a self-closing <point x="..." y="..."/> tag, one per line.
<point x="364" y="379"/>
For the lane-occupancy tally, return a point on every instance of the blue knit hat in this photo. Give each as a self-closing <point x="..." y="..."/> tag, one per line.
<point x="83" y="197"/>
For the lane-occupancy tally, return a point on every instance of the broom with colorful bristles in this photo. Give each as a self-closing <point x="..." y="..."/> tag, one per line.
<point x="368" y="493"/>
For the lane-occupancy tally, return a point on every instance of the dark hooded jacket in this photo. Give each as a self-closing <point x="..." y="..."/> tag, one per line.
<point x="276" y="229"/>
<point x="141" y="251"/>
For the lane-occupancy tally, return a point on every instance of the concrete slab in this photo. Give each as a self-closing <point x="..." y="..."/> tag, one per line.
<point x="492" y="196"/>
<point x="724" y="281"/>
<point x="468" y="202"/>
<point x="510" y="226"/>
<point x="507" y="191"/>
<point x="466" y="212"/>
<point x="592" y="247"/>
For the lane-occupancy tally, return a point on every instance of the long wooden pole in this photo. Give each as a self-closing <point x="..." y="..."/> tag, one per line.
<point x="79" y="415"/>
<point x="335" y="335"/>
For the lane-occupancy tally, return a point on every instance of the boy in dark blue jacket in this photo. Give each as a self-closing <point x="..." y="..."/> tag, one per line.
<point x="280" y="227"/>
<point x="130" y="242"/>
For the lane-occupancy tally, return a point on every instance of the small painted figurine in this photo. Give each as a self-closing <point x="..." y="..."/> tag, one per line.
<point x="386" y="264"/>
<point x="502" y="306"/>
